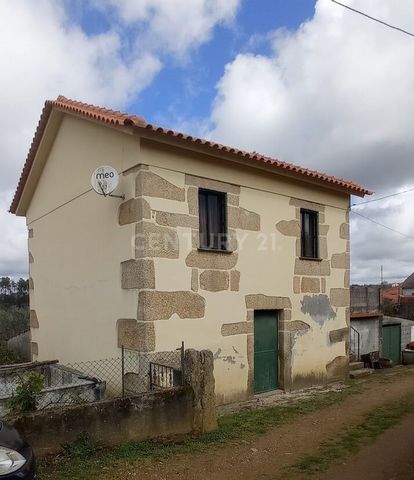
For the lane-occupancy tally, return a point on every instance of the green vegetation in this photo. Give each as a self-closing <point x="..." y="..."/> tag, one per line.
<point x="82" y="449"/>
<point x="14" y="314"/>
<point x="89" y="459"/>
<point x="24" y="398"/>
<point x="14" y="292"/>
<point x="351" y="441"/>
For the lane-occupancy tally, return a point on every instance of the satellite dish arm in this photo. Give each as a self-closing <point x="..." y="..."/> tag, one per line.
<point x="110" y="194"/>
<point x="102" y="190"/>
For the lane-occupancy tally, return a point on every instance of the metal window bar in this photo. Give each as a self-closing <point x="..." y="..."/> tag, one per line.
<point x="163" y="376"/>
<point x="354" y="343"/>
<point x="182" y="351"/>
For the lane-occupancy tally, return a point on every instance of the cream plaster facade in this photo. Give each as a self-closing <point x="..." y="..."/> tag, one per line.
<point x="97" y="266"/>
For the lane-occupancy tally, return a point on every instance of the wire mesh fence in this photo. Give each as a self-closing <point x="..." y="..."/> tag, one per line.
<point x="41" y="385"/>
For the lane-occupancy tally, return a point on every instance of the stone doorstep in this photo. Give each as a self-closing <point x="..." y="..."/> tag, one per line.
<point x="356" y="365"/>
<point x="362" y="372"/>
<point x="277" y="397"/>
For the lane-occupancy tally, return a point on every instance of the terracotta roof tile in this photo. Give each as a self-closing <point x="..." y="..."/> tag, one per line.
<point x="113" y="117"/>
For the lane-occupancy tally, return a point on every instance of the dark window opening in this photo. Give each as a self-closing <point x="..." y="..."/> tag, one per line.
<point x="213" y="219"/>
<point x="309" y="234"/>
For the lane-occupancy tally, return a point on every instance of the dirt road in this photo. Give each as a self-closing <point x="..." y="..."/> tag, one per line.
<point x="390" y="457"/>
<point x="269" y="456"/>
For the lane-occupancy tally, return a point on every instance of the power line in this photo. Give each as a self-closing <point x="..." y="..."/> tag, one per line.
<point x="402" y="277"/>
<point x="382" y="225"/>
<point x="382" y="198"/>
<point x="60" y="206"/>
<point x="373" y="18"/>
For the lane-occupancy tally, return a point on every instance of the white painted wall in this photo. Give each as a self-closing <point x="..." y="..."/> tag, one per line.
<point x="78" y="248"/>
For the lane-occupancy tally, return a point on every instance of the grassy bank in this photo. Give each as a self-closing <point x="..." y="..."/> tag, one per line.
<point x="352" y="440"/>
<point x="85" y="459"/>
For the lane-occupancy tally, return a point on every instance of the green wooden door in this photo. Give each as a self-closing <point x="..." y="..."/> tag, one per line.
<point x="265" y="351"/>
<point x="391" y="343"/>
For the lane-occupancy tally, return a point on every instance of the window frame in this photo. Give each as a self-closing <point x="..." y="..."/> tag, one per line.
<point x="315" y="248"/>
<point x="224" y="220"/>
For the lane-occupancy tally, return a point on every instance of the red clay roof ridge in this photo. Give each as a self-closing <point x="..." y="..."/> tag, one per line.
<point x="99" y="113"/>
<point x="114" y="117"/>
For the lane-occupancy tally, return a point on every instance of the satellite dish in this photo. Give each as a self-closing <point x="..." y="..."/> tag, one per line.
<point x="104" y="180"/>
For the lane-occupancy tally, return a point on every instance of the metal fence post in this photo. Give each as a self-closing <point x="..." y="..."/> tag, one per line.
<point x="123" y="371"/>
<point x="182" y="363"/>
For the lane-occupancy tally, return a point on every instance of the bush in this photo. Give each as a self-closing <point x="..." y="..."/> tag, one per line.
<point x="84" y="447"/>
<point x="24" y="398"/>
<point x="7" y="357"/>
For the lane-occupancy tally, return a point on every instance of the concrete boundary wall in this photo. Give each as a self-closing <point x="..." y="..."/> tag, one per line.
<point x="168" y="412"/>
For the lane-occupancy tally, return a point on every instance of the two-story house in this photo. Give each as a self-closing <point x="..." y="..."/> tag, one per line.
<point x="236" y="252"/>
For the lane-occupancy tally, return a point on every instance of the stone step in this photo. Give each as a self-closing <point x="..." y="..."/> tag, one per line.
<point x="356" y="365"/>
<point x="363" y="372"/>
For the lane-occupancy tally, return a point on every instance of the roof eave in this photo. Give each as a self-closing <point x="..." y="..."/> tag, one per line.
<point x="122" y="121"/>
<point x="42" y="142"/>
<point x="242" y="158"/>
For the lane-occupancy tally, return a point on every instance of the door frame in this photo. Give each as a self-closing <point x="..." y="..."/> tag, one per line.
<point x="276" y="314"/>
<point x="382" y="337"/>
<point x="284" y="350"/>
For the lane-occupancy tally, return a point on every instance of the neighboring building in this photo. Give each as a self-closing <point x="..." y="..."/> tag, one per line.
<point x="371" y="330"/>
<point x="405" y="307"/>
<point x="366" y="319"/>
<point x="365" y="298"/>
<point x="222" y="249"/>
<point x="392" y="293"/>
<point x="407" y="288"/>
<point x="365" y="336"/>
<point x="396" y="334"/>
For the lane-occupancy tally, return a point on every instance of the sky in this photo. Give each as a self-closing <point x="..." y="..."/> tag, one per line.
<point x="305" y="81"/>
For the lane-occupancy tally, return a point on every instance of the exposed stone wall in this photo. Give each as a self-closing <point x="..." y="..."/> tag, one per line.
<point x="238" y="218"/>
<point x="198" y="374"/>
<point x="157" y="235"/>
<point x="136" y="335"/>
<point x="313" y="310"/>
<point x="320" y="302"/>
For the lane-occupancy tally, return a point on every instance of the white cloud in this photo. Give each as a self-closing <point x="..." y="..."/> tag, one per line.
<point x="13" y="241"/>
<point x="44" y="52"/>
<point x="373" y="245"/>
<point x="174" y="25"/>
<point x="336" y="95"/>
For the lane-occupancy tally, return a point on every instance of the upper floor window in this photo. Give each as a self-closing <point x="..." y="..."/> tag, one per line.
<point x="213" y="219"/>
<point x="309" y="234"/>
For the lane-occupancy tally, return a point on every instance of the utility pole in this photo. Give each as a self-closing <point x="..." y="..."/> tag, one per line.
<point x="382" y="290"/>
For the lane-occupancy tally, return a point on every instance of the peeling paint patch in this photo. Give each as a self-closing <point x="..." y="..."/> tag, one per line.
<point x="216" y="356"/>
<point x="230" y="359"/>
<point x="318" y="307"/>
